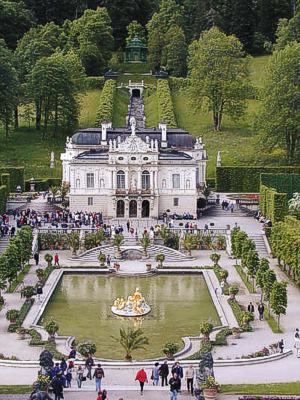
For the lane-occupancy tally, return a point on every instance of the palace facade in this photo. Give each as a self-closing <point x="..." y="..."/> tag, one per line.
<point x="134" y="173"/>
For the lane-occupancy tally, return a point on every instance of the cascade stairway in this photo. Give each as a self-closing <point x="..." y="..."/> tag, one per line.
<point x="217" y="211"/>
<point x="259" y="244"/>
<point x="4" y="243"/>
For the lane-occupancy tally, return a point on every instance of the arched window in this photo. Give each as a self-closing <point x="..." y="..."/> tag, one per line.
<point x="164" y="184"/>
<point x="78" y="183"/>
<point x="188" y="184"/>
<point x="120" y="180"/>
<point x="145" y="180"/>
<point x="101" y="183"/>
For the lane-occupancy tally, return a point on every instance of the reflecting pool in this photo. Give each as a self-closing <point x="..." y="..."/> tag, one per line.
<point x="81" y="304"/>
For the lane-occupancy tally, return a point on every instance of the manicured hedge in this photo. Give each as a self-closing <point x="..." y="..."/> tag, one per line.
<point x="16" y="175"/>
<point x="285" y="244"/>
<point x="211" y="182"/>
<point x="5" y="181"/>
<point x="282" y="183"/>
<point x="246" y="179"/>
<point x="273" y="205"/>
<point x="165" y="104"/>
<point x="178" y="83"/>
<point x="106" y="105"/>
<point x="43" y="184"/>
<point x="3" y="197"/>
<point x="94" y="82"/>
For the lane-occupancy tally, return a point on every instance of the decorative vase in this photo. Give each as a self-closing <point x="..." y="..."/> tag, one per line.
<point x="210" y="394"/>
<point x="148" y="267"/>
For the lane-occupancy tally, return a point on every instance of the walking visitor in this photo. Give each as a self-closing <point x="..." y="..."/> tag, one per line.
<point x="175" y="385"/>
<point x="141" y="376"/>
<point x="98" y="375"/>
<point x="297" y="342"/>
<point x="261" y="309"/>
<point x="155" y="374"/>
<point x="89" y="363"/>
<point x="189" y="376"/>
<point x="164" y="372"/>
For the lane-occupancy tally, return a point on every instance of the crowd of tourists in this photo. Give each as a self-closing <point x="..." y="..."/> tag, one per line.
<point x="68" y="373"/>
<point x="6" y="229"/>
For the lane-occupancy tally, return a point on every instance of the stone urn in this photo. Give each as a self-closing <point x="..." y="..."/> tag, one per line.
<point x="210" y="394"/>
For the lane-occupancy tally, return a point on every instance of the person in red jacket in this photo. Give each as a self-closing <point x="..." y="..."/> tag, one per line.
<point x="141" y="376"/>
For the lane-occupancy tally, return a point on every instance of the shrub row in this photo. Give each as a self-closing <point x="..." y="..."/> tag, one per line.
<point x="177" y="84"/>
<point x="16" y="177"/>
<point x="246" y="179"/>
<point x="165" y="104"/>
<point x="105" y="110"/>
<point x="3" y="197"/>
<point x="23" y="313"/>
<point x="243" y="317"/>
<point x="273" y="205"/>
<point x="94" y="82"/>
<point x="43" y="184"/>
<point x="285" y="244"/>
<point x="282" y="183"/>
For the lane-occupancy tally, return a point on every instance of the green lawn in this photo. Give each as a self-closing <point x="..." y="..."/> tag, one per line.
<point x="89" y="108"/>
<point x="291" y="388"/>
<point x="151" y="110"/>
<point x="120" y="107"/>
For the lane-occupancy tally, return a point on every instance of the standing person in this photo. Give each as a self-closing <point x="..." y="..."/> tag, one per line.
<point x="155" y="374"/>
<point x="78" y="375"/>
<point x="177" y="369"/>
<point x="128" y="225"/>
<point x="89" y="363"/>
<point x="175" y="385"/>
<point x="108" y="261"/>
<point x="36" y="258"/>
<point x="141" y="376"/>
<point x="281" y="345"/>
<point x="189" y="376"/>
<point x="261" y="309"/>
<point x="222" y="284"/>
<point x="164" y="372"/>
<point x="56" y="260"/>
<point x="297" y="342"/>
<point x="98" y="375"/>
<point x="251" y="307"/>
<point x="69" y="376"/>
<point x="58" y="387"/>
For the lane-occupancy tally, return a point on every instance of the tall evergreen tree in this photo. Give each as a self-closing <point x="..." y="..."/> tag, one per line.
<point x="8" y="87"/>
<point x="175" y="51"/>
<point x="135" y="29"/>
<point x="15" y="20"/>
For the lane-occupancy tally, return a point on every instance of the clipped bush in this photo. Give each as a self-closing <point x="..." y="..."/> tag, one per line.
<point x="12" y="315"/>
<point x="28" y="291"/>
<point x="105" y="109"/>
<point x="48" y="258"/>
<point x="170" y="348"/>
<point x="206" y="328"/>
<point x="86" y="348"/>
<point x="165" y="104"/>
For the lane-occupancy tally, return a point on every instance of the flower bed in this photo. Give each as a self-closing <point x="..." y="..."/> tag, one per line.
<point x="269" y="398"/>
<point x="54" y="241"/>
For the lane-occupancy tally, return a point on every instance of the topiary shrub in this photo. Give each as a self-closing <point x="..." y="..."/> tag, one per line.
<point x="86" y="348"/>
<point x="12" y="315"/>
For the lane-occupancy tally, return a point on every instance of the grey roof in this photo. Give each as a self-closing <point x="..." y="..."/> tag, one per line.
<point x="93" y="155"/>
<point x="174" y="155"/>
<point x="176" y="137"/>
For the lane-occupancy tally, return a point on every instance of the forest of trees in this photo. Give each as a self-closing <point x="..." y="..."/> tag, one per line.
<point x="47" y="47"/>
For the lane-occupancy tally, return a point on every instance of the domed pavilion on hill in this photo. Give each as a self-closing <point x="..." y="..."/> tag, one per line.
<point x="136" y="51"/>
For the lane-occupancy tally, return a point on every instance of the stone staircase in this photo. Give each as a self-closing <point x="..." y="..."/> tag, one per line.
<point x="137" y="111"/>
<point x="171" y="255"/>
<point x="259" y="244"/>
<point x="4" y="243"/>
<point x="217" y="211"/>
<point x="40" y="207"/>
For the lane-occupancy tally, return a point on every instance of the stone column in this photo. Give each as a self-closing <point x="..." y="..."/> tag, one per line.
<point x="127" y="179"/>
<point x="151" y="180"/>
<point x="139" y="179"/>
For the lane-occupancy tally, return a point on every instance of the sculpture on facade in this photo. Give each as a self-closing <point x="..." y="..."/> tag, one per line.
<point x="219" y="159"/>
<point x="52" y="159"/>
<point x="132" y="125"/>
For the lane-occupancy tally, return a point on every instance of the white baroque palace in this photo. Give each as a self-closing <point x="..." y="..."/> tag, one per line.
<point x="130" y="173"/>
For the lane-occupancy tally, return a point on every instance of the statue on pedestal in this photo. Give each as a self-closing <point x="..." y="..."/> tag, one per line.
<point x="52" y="159"/>
<point x="206" y="368"/>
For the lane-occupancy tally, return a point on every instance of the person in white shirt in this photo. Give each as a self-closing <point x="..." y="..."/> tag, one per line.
<point x="189" y="376"/>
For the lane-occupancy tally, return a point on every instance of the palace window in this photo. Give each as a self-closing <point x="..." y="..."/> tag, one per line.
<point x="120" y="180"/>
<point x="90" y="180"/>
<point x="187" y="184"/>
<point x="90" y="201"/>
<point x="78" y="183"/>
<point x="145" y="180"/>
<point x="176" y="202"/>
<point x="176" y="181"/>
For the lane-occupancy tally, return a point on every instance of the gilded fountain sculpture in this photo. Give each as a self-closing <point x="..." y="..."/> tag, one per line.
<point x="134" y="306"/>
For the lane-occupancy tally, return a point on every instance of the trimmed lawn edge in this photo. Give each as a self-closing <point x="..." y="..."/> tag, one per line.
<point x="290" y="388"/>
<point x="15" y="389"/>
<point x="243" y="277"/>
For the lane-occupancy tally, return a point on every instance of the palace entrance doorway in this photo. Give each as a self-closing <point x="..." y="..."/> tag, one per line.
<point x="132" y="209"/>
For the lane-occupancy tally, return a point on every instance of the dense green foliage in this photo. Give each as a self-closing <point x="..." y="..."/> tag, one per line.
<point x="105" y="110"/>
<point x="165" y="104"/>
<point x="43" y="184"/>
<point x="281" y="99"/>
<point x="219" y="75"/>
<point x="283" y="183"/>
<point x="246" y="179"/>
<point x="285" y="244"/>
<point x="272" y="204"/>
<point x="3" y="197"/>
